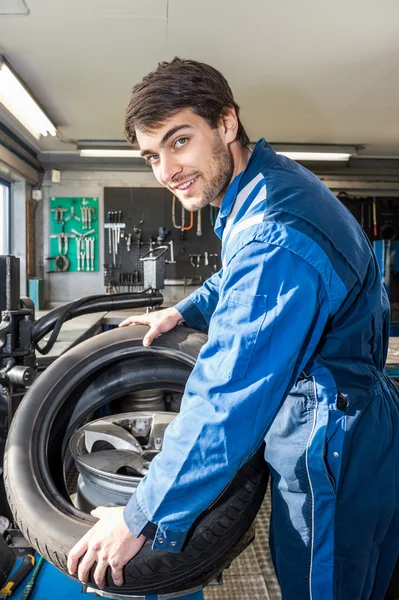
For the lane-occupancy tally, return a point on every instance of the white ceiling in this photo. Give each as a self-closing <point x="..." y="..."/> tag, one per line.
<point x="303" y="71"/>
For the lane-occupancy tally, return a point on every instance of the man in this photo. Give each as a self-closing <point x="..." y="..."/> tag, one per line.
<point x="298" y="331"/>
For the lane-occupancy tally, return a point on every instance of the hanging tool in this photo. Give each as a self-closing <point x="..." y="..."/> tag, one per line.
<point x="206" y="259"/>
<point x="191" y="222"/>
<point x="117" y="225"/>
<point x="162" y="234"/>
<point x="152" y="245"/>
<point x="86" y="212"/>
<point x="139" y="234"/>
<point x="59" y="213"/>
<point x="82" y="259"/>
<point x="92" y="252"/>
<point x="83" y="235"/>
<point x="78" y="240"/>
<point x="80" y="246"/>
<point x="199" y="223"/>
<point x="17" y="576"/>
<point x="72" y="215"/>
<point x="183" y="214"/>
<point x="61" y="263"/>
<point x="174" y="214"/>
<point x="32" y="581"/>
<point x="87" y="250"/>
<point x="183" y="228"/>
<point x="195" y="260"/>
<point x="213" y="213"/>
<point x="172" y="254"/>
<point x="59" y="236"/>
<point x="375" y="231"/>
<point x="362" y="214"/>
<point x="387" y="263"/>
<point x="214" y="256"/>
<point x="128" y="241"/>
<point x="65" y="239"/>
<point x="118" y="229"/>
<point x="90" y="211"/>
<point x="62" y="241"/>
<point x="109" y="233"/>
<point x="115" y="240"/>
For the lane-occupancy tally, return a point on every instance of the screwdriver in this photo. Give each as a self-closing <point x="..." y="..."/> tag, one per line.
<point x="31" y="583"/>
<point x="18" y="576"/>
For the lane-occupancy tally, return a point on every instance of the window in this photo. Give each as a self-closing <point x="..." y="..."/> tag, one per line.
<point x="4" y="217"/>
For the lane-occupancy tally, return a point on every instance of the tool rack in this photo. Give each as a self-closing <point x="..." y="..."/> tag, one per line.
<point x="138" y="220"/>
<point x="73" y="235"/>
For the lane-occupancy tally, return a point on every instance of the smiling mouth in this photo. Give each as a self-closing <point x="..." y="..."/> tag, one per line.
<point x="186" y="185"/>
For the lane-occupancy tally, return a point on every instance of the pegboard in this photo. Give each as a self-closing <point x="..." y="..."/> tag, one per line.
<point x="73" y="234"/>
<point x="145" y="213"/>
<point x="379" y="216"/>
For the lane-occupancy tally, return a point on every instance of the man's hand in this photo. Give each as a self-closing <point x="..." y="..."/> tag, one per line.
<point x="108" y="543"/>
<point x="159" y="321"/>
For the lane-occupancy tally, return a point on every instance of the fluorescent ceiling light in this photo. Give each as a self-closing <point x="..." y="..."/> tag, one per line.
<point x="315" y="152"/>
<point x="97" y="153"/>
<point x="21" y="103"/>
<point x="316" y="155"/>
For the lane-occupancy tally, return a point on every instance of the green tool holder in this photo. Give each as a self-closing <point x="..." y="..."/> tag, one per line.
<point x="73" y="220"/>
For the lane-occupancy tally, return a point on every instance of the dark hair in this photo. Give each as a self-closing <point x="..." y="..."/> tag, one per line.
<point x="176" y="85"/>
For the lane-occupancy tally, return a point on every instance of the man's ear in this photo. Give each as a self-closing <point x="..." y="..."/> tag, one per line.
<point x="229" y="124"/>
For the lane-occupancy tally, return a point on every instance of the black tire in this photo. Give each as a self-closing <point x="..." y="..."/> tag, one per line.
<point x="393" y="588"/>
<point x="34" y="461"/>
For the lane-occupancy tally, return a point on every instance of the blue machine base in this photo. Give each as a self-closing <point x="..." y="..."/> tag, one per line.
<point x="52" y="584"/>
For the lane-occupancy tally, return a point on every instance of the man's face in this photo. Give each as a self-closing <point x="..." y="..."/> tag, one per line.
<point x="189" y="158"/>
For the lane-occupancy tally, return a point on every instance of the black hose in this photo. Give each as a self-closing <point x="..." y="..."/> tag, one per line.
<point x="89" y="304"/>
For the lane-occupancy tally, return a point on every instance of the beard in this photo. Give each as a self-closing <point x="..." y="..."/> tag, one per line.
<point x="216" y="182"/>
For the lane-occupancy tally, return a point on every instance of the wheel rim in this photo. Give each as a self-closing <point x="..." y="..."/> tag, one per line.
<point x="112" y="454"/>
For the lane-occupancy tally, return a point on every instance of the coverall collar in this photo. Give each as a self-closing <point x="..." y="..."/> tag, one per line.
<point x="256" y="161"/>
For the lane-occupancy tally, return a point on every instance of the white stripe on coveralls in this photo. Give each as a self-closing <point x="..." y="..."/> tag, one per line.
<point x="241" y="198"/>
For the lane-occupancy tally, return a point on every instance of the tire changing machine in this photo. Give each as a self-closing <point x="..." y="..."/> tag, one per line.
<point x="19" y="336"/>
<point x="52" y="584"/>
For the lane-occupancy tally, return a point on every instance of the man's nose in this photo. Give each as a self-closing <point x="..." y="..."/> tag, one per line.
<point x="169" y="169"/>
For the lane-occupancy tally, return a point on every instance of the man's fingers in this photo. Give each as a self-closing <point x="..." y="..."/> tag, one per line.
<point x="130" y="321"/>
<point x="99" y="573"/>
<point x="117" y="571"/>
<point x="99" y="512"/>
<point x="77" y="551"/>
<point x="150" y="336"/>
<point x="85" y="565"/>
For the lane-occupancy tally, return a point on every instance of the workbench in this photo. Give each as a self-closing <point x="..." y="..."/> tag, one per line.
<point x="81" y="328"/>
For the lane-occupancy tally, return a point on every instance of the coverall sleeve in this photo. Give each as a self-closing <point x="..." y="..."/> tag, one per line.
<point x="272" y="311"/>
<point x="198" y="308"/>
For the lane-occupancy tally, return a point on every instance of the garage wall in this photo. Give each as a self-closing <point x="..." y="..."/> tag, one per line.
<point x="61" y="287"/>
<point x="20" y="192"/>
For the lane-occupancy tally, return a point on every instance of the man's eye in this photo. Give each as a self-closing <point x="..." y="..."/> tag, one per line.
<point x="153" y="158"/>
<point x="181" y="142"/>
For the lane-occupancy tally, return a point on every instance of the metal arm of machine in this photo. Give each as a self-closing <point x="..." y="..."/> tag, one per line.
<point x="91" y="304"/>
<point x="20" y="334"/>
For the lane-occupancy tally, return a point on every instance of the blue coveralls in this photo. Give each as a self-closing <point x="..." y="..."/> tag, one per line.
<point x="298" y="332"/>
